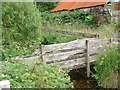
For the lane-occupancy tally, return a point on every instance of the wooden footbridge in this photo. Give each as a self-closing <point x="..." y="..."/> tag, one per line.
<point x="75" y="54"/>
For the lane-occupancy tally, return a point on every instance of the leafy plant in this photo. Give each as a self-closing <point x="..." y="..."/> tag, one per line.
<point x="21" y="29"/>
<point x="45" y="6"/>
<point x="64" y="17"/>
<point x="21" y="22"/>
<point x="89" y="19"/>
<point x="54" y="37"/>
<point x="25" y="75"/>
<point x="50" y="76"/>
<point x="18" y="49"/>
<point x="18" y="73"/>
<point x="107" y="68"/>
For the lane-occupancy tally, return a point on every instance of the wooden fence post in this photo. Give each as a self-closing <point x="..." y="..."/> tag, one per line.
<point x="42" y="54"/>
<point x="88" y="57"/>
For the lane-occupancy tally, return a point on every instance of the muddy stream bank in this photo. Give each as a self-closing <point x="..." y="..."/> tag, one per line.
<point x="80" y="79"/>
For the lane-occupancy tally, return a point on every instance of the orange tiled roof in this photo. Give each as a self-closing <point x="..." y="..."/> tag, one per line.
<point x="72" y="4"/>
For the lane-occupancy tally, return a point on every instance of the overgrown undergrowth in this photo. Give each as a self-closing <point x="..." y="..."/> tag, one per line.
<point x="24" y="75"/>
<point x="107" y="68"/>
<point x="55" y="37"/>
<point x="104" y="31"/>
<point x="21" y="35"/>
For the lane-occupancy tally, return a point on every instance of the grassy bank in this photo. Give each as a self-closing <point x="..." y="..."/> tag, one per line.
<point x="107" y="68"/>
<point x="104" y="31"/>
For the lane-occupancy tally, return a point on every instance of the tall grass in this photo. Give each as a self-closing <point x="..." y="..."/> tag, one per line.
<point x="55" y="37"/>
<point x="21" y="28"/>
<point x="104" y="31"/>
<point x="107" y="68"/>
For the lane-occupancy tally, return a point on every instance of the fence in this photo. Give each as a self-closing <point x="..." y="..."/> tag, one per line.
<point x="115" y="38"/>
<point x="74" y="54"/>
<point x="73" y="33"/>
<point x="70" y="54"/>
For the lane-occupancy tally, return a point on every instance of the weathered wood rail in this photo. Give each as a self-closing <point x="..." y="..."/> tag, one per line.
<point x="73" y="54"/>
<point x="73" y="33"/>
<point x="115" y="38"/>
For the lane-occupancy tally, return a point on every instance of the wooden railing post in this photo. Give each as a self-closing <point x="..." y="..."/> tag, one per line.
<point x="42" y="54"/>
<point x="88" y="57"/>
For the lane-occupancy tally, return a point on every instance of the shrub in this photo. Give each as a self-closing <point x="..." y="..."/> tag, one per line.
<point x="21" y="22"/>
<point x="54" y="37"/>
<point x="18" y="73"/>
<point x="107" y="68"/>
<point x="64" y="17"/>
<point x="18" y="49"/>
<point x="50" y="76"/>
<point x="22" y="75"/>
<point x="21" y="28"/>
<point x="45" y="6"/>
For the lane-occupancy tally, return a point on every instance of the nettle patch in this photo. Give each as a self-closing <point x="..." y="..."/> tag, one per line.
<point x="22" y="75"/>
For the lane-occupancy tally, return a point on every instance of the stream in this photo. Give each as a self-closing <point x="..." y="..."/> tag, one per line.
<point x="80" y="79"/>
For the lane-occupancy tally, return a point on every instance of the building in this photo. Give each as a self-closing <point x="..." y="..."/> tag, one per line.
<point x="111" y="6"/>
<point x="73" y="4"/>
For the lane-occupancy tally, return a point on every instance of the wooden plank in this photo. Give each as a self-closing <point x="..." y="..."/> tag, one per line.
<point x="35" y="53"/>
<point x="75" y="62"/>
<point x="31" y="58"/>
<point x="97" y="45"/>
<point x="72" y="54"/>
<point x="80" y="43"/>
<point x="56" y="52"/>
<point x="88" y="57"/>
<point x="73" y="33"/>
<point x="98" y="42"/>
<point x="42" y="55"/>
<point x="115" y="40"/>
<point x="115" y="34"/>
<point x="60" y="56"/>
<point x="62" y="50"/>
<point x="97" y="49"/>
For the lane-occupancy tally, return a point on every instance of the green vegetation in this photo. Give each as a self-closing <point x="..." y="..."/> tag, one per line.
<point x="18" y="73"/>
<point x="22" y="75"/>
<point x="52" y="38"/>
<point x="21" y="29"/>
<point x="76" y="20"/>
<point x="22" y="33"/>
<point x="21" y="36"/>
<point x="65" y="17"/>
<point x="107" y="68"/>
<point x="51" y="76"/>
<point x="104" y="31"/>
<point x="46" y="6"/>
<point x="21" y="22"/>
